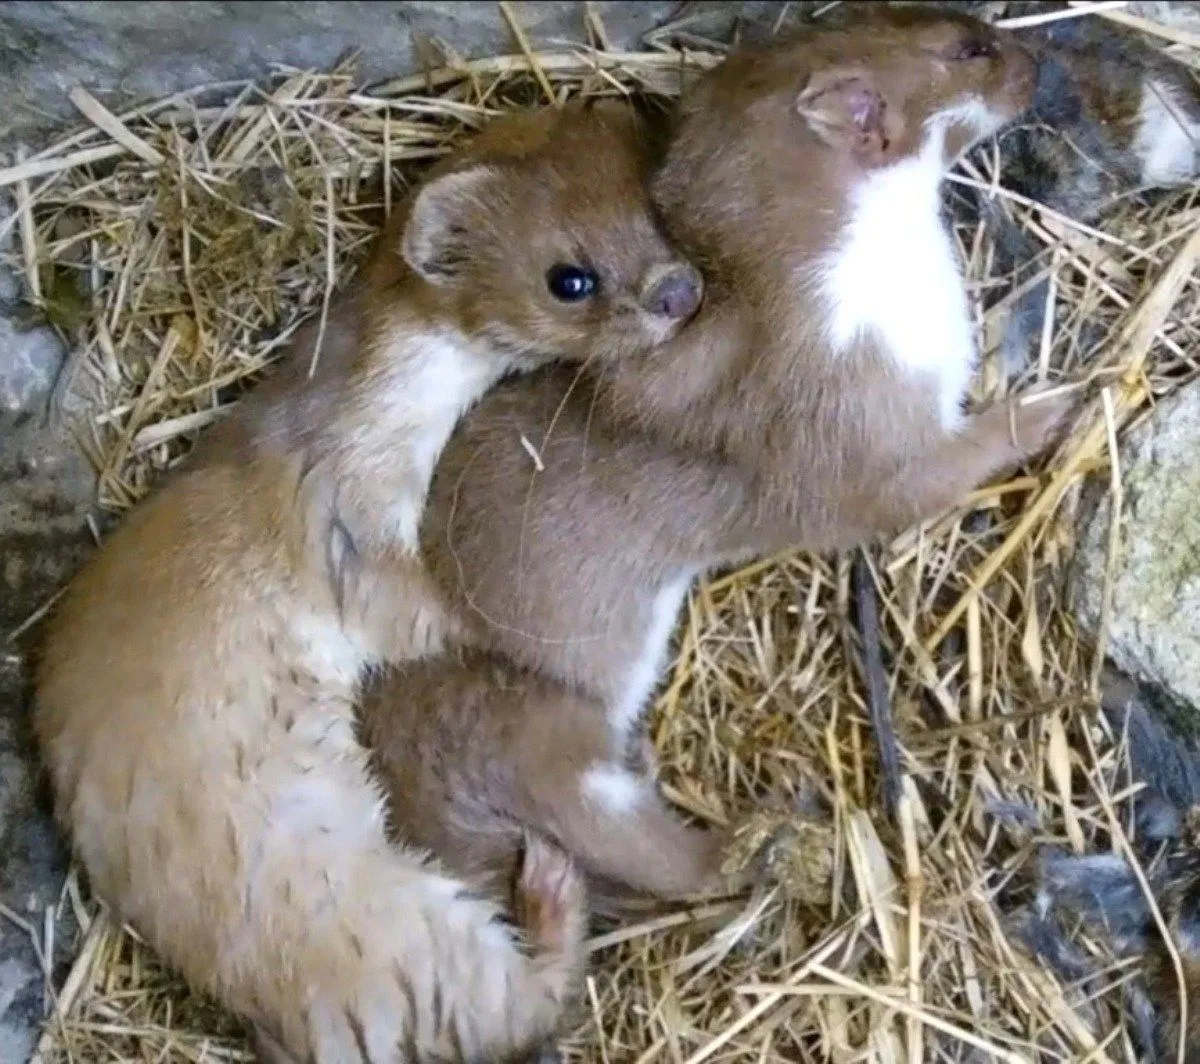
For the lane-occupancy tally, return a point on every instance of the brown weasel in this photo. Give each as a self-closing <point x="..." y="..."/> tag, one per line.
<point x="814" y="401"/>
<point x="195" y="697"/>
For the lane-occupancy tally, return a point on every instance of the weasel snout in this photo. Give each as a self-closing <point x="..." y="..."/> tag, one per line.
<point x="673" y="292"/>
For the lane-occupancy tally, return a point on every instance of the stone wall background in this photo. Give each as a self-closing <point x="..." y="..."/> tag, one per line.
<point x="150" y="48"/>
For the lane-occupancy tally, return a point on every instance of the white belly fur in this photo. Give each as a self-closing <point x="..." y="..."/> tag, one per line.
<point x="646" y="670"/>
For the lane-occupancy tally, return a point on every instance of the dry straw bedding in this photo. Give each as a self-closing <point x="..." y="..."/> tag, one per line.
<point x="179" y="245"/>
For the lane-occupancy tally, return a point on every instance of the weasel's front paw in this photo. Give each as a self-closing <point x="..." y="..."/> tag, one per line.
<point x="1037" y="421"/>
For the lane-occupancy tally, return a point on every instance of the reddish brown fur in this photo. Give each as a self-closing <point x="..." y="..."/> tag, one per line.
<point x="752" y="437"/>
<point x="570" y="192"/>
<point x="744" y="436"/>
<point x="480" y="751"/>
<point x="195" y="698"/>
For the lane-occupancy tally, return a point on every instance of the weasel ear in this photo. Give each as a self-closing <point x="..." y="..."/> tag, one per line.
<point x="845" y="109"/>
<point x="438" y="235"/>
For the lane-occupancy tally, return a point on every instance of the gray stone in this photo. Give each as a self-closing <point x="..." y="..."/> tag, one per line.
<point x="45" y="490"/>
<point x="143" y="49"/>
<point x="10" y="287"/>
<point x="29" y="364"/>
<point x="1154" y="625"/>
<point x="19" y="986"/>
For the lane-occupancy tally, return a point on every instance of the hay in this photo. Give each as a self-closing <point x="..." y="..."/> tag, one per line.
<point x="179" y="246"/>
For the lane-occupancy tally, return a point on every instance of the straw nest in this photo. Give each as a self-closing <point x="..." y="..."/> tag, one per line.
<point x="180" y="244"/>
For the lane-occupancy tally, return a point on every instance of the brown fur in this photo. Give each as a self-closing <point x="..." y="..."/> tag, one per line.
<point x="480" y="751"/>
<point x="753" y="437"/>
<point x="745" y="435"/>
<point x="195" y="697"/>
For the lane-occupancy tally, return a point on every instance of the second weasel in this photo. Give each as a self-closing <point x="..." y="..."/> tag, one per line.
<point x="815" y="401"/>
<point x="195" y="697"/>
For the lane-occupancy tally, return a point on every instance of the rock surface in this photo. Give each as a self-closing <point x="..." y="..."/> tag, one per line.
<point x="45" y="489"/>
<point x="45" y="492"/>
<point x="1154" y="625"/>
<point x="143" y="49"/>
<point x="28" y="367"/>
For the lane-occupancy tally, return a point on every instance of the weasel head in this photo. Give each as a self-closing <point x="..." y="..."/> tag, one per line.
<point x="909" y="80"/>
<point x="539" y="241"/>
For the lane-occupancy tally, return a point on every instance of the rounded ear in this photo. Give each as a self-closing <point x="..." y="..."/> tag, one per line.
<point x="845" y="109"/>
<point x="437" y="237"/>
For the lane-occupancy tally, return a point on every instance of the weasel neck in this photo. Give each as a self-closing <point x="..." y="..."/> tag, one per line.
<point x="819" y="327"/>
<point x="893" y="281"/>
<point x="411" y="387"/>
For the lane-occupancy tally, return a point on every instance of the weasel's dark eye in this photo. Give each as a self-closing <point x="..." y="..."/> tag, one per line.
<point x="975" y="48"/>
<point x="571" y="284"/>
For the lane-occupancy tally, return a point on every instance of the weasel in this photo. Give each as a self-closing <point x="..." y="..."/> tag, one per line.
<point x="815" y="401"/>
<point x="195" y="696"/>
<point x="1112" y="115"/>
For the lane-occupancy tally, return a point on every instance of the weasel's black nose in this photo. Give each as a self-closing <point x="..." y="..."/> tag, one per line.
<point x="676" y="294"/>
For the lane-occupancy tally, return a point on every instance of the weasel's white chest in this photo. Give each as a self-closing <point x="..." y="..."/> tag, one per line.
<point x="896" y="275"/>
